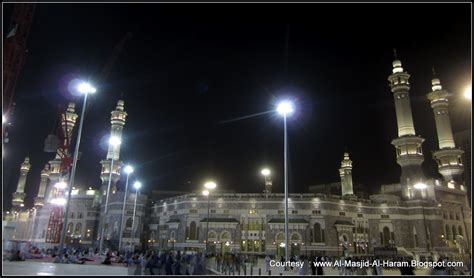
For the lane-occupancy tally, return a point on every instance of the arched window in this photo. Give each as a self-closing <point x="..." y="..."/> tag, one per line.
<point x="460" y="232"/>
<point x="212" y="235"/>
<point x="172" y="235"/>
<point x="386" y="235"/>
<point x="225" y="236"/>
<point x="295" y="237"/>
<point x="449" y="235"/>
<point x="317" y="232"/>
<point x="70" y="226"/>
<point x="280" y="237"/>
<point x="128" y="223"/>
<point x="78" y="230"/>
<point x="455" y="232"/>
<point x="192" y="231"/>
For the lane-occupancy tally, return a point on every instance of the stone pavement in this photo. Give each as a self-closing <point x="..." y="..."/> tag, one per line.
<point x="45" y="268"/>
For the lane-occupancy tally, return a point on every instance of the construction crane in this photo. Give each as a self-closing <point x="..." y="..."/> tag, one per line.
<point x="14" y="56"/>
<point x="61" y="145"/>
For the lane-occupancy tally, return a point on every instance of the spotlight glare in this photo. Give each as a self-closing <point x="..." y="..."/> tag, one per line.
<point x="128" y="169"/>
<point x="285" y="108"/>
<point x="266" y="172"/>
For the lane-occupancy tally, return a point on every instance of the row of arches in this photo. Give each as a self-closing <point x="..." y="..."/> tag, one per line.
<point x="317" y="233"/>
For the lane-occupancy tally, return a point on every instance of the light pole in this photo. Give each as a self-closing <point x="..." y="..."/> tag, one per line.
<point x="85" y="89"/>
<point x="114" y="142"/>
<point x="128" y="170"/>
<point x="137" y="185"/>
<point x="285" y="108"/>
<point x="209" y="186"/>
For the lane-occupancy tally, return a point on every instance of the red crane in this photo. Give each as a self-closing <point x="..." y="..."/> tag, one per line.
<point x="14" y="56"/>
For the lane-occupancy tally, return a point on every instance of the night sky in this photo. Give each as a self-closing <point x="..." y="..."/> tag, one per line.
<point x="191" y="68"/>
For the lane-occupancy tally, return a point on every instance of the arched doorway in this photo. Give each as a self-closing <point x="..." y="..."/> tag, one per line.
<point x="212" y="242"/>
<point x="280" y="244"/>
<point x="295" y="245"/>
<point x="225" y="241"/>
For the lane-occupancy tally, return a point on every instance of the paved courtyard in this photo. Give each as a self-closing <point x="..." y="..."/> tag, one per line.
<point x="45" y="268"/>
<point x="48" y="268"/>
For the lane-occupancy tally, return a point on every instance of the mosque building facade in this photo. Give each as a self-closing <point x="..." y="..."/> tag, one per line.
<point x="419" y="216"/>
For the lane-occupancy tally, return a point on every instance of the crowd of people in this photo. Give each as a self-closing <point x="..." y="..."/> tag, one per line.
<point x="151" y="262"/>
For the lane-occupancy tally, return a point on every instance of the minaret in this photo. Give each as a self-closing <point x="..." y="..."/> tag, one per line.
<point x="68" y="121"/>
<point x="448" y="156"/>
<point x="19" y="195"/>
<point x="118" y="121"/>
<point x="39" y="200"/>
<point x="408" y="144"/>
<point x="346" y="175"/>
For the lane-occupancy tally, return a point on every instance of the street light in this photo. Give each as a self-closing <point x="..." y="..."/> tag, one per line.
<point x="265" y="172"/>
<point x="137" y="185"/>
<point x="85" y="89"/>
<point x="128" y="170"/>
<point x="285" y="108"/>
<point x="210" y="185"/>
<point x="114" y="142"/>
<point x="468" y="92"/>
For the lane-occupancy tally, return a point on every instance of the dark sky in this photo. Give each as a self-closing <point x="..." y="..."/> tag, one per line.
<point x="189" y="67"/>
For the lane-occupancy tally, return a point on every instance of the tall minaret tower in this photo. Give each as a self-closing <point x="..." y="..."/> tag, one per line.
<point x="39" y="200"/>
<point x="68" y="121"/>
<point x="19" y="195"/>
<point x="408" y="144"/>
<point x="118" y="121"/>
<point x="448" y="156"/>
<point x="346" y="175"/>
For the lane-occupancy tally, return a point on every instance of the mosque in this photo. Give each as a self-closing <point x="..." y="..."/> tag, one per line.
<point x="419" y="216"/>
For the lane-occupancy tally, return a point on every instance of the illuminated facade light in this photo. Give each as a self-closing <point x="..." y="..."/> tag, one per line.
<point x="420" y="185"/>
<point x="60" y="185"/>
<point x="58" y="201"/>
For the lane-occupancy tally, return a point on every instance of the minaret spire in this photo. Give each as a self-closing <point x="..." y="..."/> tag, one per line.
<point x="118" y="122"/>
<point x="39" y="200"/>
<point x="408" y="144"/>
<point x="19" y="195"/>
<point x="345" y="173"/>
<point x="448" y="156"/>
<point x="59" y="165"/>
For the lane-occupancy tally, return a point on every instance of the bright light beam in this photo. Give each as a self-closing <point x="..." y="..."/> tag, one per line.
<point x="246" y="117"/>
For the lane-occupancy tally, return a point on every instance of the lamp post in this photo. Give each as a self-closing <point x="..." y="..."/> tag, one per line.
<point x="114" y="142"/>
<point x="209" y="186"/>
<point x="137" y="185"/>
<point x="285" y="108"/>
<point x="85" y="89"/>
<point x="128" y="170"/>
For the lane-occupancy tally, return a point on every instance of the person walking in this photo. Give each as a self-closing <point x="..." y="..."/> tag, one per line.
<point x="267" y="264"/>
<point x="303" y="270"/>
